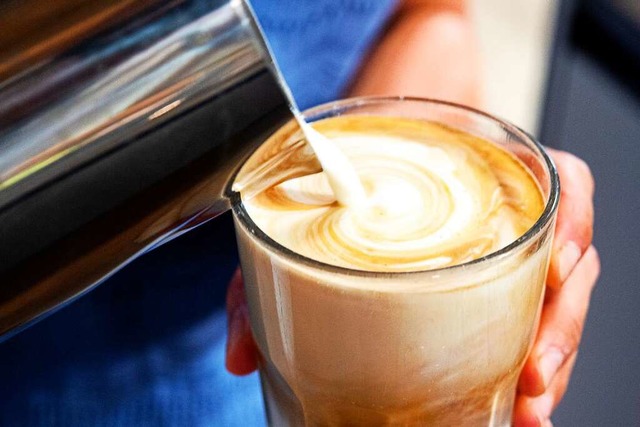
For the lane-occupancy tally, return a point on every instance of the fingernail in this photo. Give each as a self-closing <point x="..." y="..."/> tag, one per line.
<point x="549" y="364"/>
<point x="544" y="406"/>
<point x="569" y="256"/>
<point x="541" y="420"/>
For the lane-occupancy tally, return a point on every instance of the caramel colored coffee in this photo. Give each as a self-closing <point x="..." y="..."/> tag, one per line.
<point x="366" y="326"/>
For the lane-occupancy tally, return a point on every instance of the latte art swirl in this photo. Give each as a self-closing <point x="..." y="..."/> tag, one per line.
<point x="435" y="197"/>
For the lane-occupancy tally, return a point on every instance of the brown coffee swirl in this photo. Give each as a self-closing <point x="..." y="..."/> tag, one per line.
<point x="435" y="197"/>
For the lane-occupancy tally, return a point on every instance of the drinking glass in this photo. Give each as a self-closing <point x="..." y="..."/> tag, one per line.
<point x="442" y="347"/>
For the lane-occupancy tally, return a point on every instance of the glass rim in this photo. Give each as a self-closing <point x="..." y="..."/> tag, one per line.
<point x="532" y="232"/>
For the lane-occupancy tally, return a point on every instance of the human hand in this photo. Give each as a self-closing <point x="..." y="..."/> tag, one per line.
<point x="573" y="272"/>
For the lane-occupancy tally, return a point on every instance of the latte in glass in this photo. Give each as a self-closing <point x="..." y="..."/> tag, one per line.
<point x="417" y="307"/>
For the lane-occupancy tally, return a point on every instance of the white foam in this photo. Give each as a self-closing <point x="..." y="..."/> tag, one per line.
<point x="341" y="176"/>
<point x="421" y="204"/>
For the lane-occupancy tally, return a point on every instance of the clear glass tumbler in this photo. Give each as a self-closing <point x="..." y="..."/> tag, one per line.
<point x="444" y="349"/>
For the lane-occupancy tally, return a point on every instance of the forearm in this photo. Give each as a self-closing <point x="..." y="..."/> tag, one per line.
<point x="429" y="50"/>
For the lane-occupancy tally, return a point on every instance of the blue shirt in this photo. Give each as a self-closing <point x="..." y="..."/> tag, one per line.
<point x="147" y="346"/>
<point x="319" y="44"/>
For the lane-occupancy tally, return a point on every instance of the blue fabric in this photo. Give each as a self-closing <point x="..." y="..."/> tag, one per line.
<point x="147" y="347"/>
<point x="319" y="44"/>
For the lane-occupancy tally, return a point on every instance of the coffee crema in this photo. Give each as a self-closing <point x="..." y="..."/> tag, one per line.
<point x="436" y="197"/>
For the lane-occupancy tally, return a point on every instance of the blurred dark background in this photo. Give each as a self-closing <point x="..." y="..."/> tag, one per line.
<point x="593" y="109"/>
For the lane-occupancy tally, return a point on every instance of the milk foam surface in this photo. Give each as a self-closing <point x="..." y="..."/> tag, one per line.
<point x="435" y="197"/>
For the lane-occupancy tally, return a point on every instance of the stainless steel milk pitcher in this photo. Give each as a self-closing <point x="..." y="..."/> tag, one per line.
<point x="120" y="124"/>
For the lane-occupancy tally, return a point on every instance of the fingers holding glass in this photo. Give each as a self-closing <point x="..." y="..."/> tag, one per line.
<point x="547" y="371"/>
